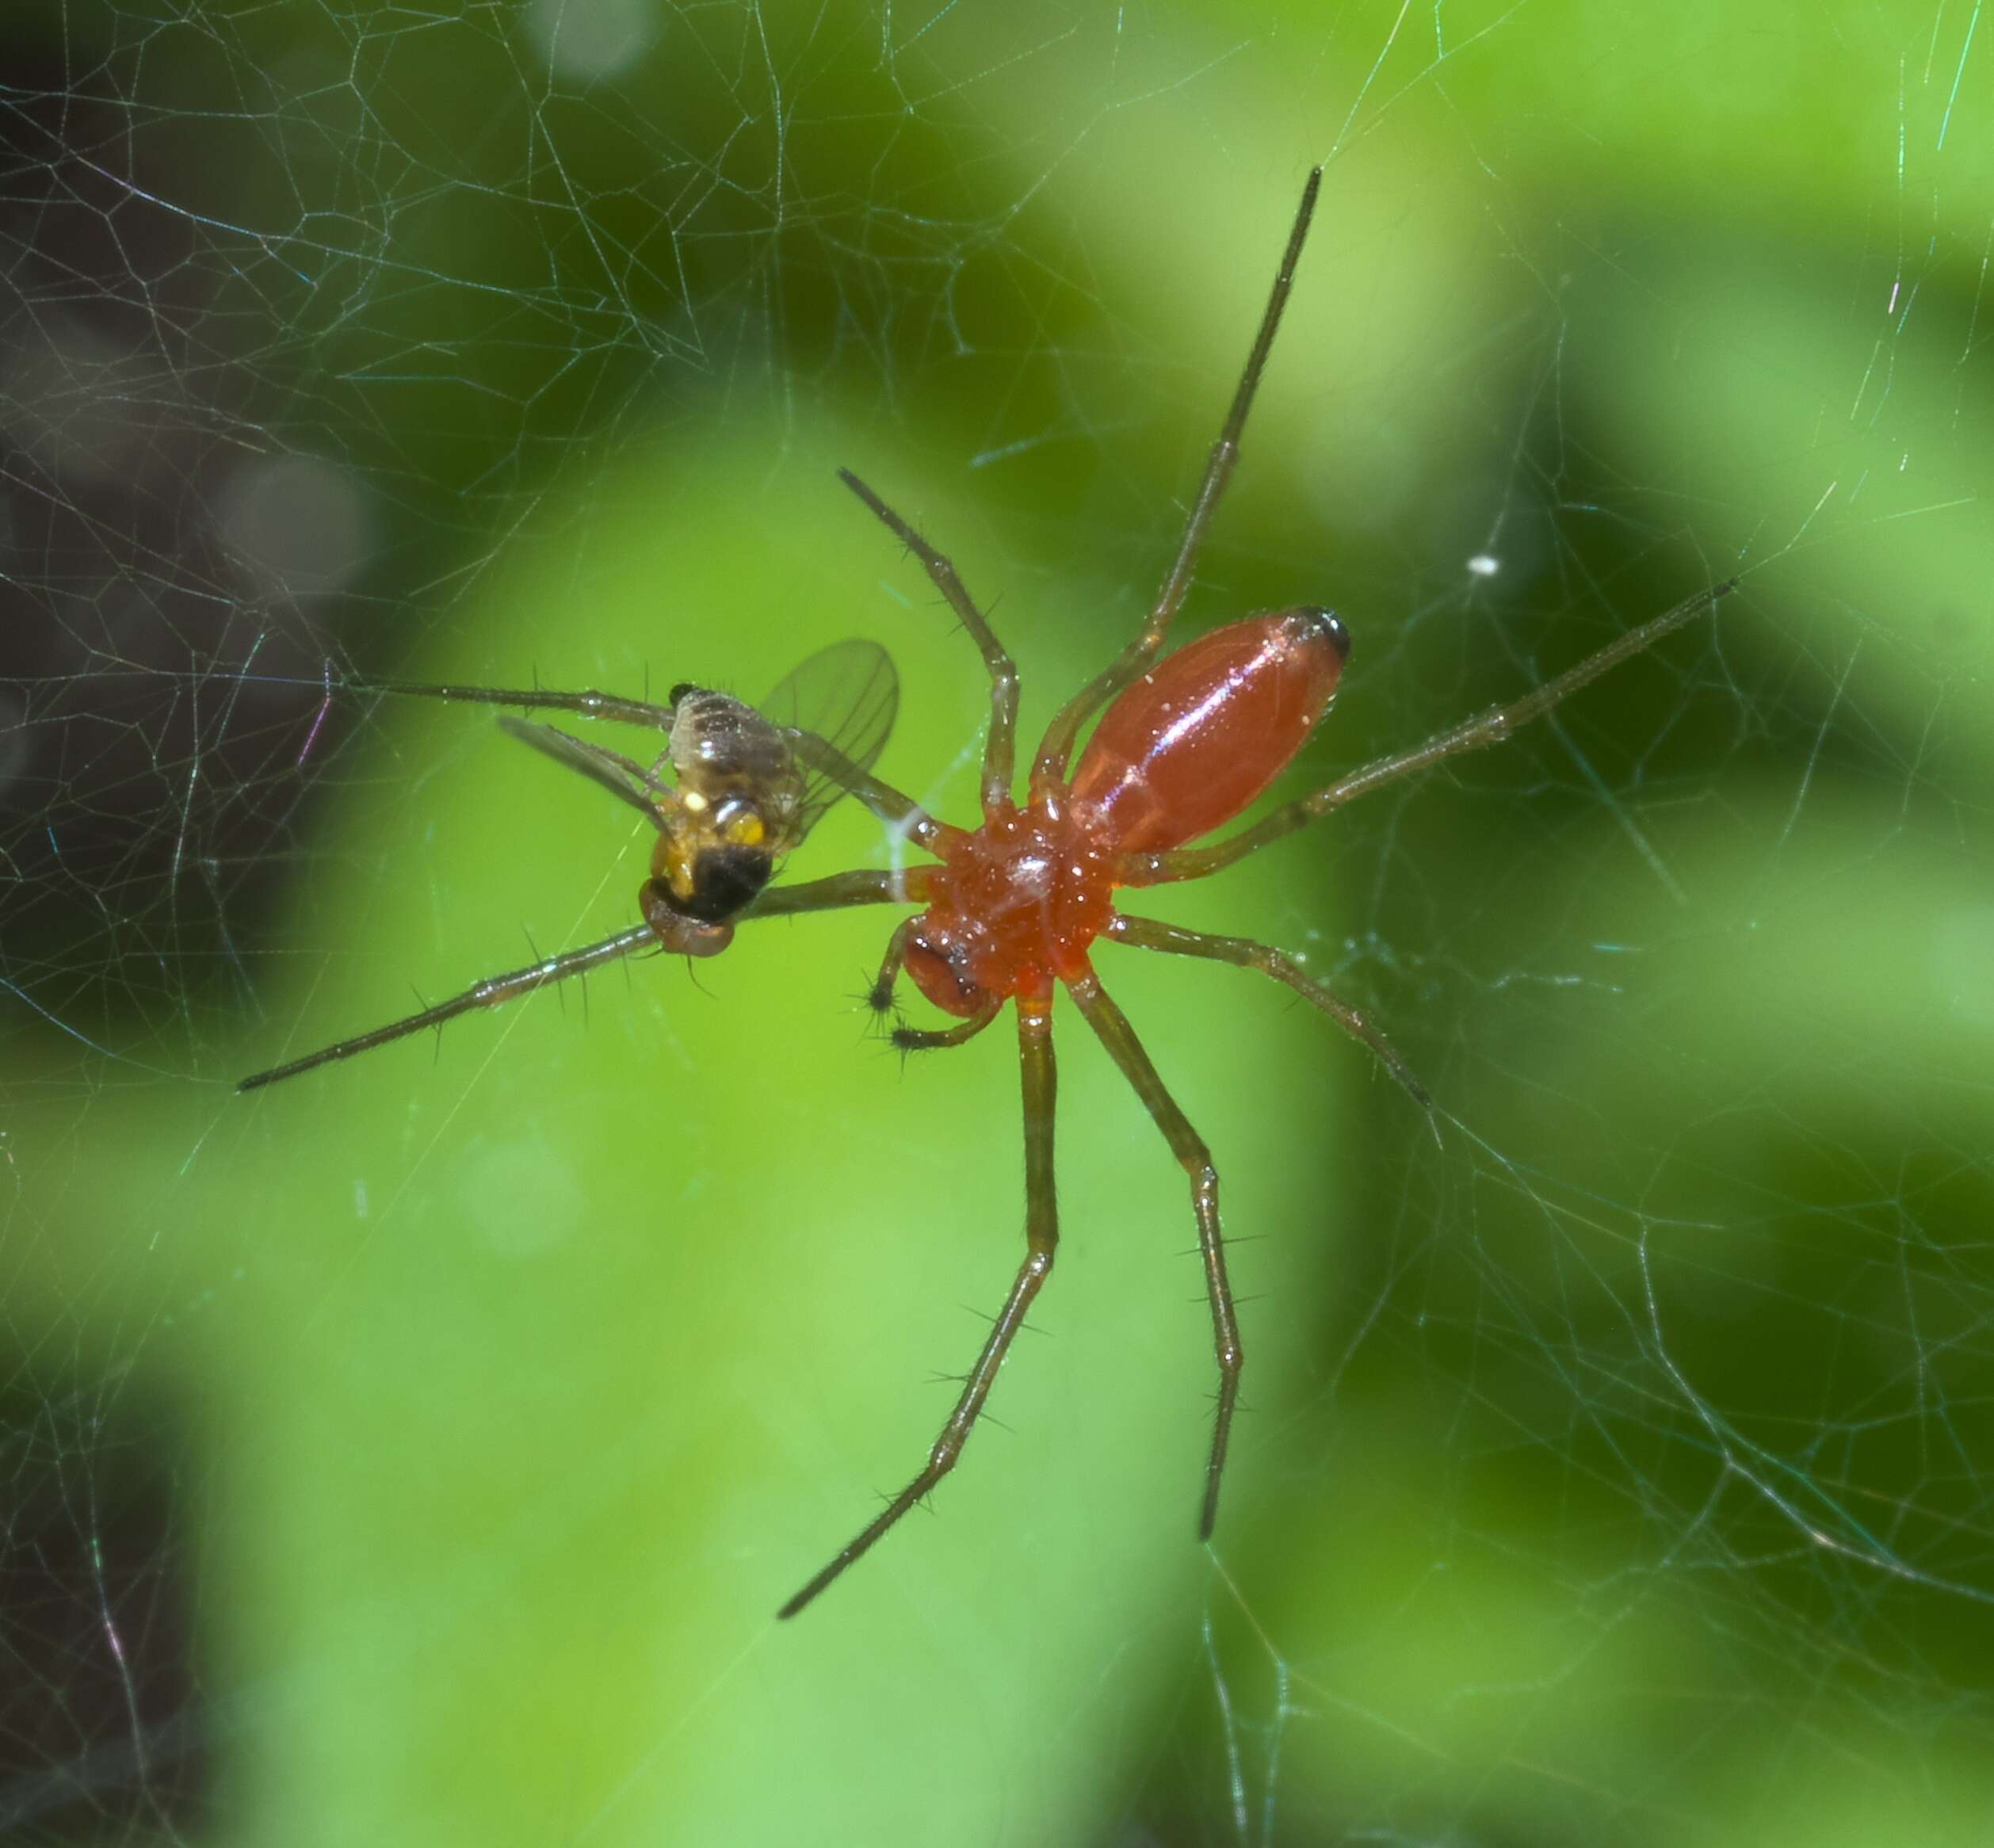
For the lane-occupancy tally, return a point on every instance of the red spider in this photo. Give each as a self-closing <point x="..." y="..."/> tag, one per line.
<point x="1015" y="904"/>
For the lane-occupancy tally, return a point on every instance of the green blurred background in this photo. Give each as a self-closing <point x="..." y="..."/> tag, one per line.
<point x="420" y="1451"/>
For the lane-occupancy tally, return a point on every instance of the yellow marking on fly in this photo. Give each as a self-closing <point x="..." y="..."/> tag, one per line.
<point x="679" y="855"/>
<point x="745" y="829"/>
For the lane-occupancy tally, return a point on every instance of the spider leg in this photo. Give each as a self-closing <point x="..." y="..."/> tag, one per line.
<point x="1244" y="953"/>
<point x="880" y="997"/>
<point x="624" y="777"/>
<point x="999" y="747"/>
<point x="901" y="813"/>
<point x="588" y="702"/>
<point x="1484" y="729"/>
<point x="837" y="891"/>
<point x="937" y="1039"/>
<point x="489" y="993"/>
<point x="1041" y="1236"/>
<point x="1049" y="770"/>
<point x="1112" y="1024"/>
<point x="841" y="889"/>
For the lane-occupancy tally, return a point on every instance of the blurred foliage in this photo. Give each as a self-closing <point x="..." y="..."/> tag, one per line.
<point x="1616" y="1473"/>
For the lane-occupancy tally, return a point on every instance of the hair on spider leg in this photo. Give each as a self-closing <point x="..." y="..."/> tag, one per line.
<point x="422" y="1006"/>
<point x="877" y="999"/>
<point x="1027" y="1326"/>
<point x="1231" y="1243"/>
<point x="886" y="1498"/>
<point x="984" y="1416"/>
<point x="987" y="1416"/>
<point x="883" y="1029"/>
<point x="877" y="1006"/>
<point x="876" y="1025"/>
<point x="891" y="1040"/>
<point x="1258" y="1296"/>
<point x="996" y="604"/>
<point x="1240" y="1403"/>
<point x="561" y="994"/>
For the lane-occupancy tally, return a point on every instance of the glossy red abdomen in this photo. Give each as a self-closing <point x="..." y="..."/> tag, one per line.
<point x="1190" y="744"/>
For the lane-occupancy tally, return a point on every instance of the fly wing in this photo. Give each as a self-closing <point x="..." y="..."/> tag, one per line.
<point x="615" y="773"/>
<point x="837" y="709"/>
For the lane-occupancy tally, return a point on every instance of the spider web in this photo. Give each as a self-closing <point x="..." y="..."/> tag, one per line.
<point x="420" y="1450"/>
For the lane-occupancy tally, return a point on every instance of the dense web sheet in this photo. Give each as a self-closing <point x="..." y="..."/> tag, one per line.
<point x="422" y="1447"/>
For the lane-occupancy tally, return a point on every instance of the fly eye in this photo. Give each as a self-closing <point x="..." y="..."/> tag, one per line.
<point x="742" y="827"/>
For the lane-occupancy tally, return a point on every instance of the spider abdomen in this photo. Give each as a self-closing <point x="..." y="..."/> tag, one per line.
<point x="1012" y="907"/>
<point x="1190" y="744"/>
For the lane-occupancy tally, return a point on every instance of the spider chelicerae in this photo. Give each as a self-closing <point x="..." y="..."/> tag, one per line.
<point x="1013" y="906"/>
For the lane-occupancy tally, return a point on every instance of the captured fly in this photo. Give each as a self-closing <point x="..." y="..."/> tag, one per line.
<point x="746" y="784"/>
